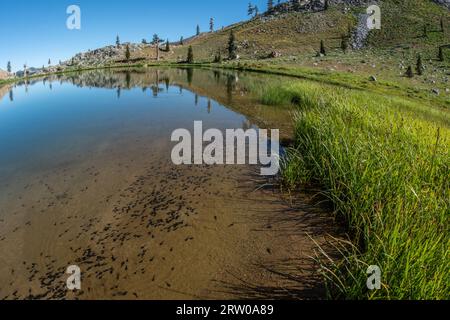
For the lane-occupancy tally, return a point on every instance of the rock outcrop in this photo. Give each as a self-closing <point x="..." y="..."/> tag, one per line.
<point x="314" y="5"/>
<point x="361" y="32"/>
<point x="103" y="56"/>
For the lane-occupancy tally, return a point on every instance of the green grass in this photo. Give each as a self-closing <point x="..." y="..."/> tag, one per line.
<point x="384" y="164"/>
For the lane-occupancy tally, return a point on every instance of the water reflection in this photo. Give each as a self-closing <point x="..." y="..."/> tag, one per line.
<point x="131" y="78"/>
<point x="190" y="75"/>
<point x="51" y="124"/>
<point x="232" y="88"/>
<point x="89" y="111"/>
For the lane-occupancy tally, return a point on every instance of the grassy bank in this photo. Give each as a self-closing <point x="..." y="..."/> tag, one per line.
<point x="384" y="164"/>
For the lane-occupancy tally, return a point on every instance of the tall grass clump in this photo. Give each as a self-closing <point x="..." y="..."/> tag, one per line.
<point x="384" y="163"/>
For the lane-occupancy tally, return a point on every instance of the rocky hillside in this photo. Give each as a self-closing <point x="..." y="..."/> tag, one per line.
<point x="288" y="33"/>
<point x="105" y="56"/>
<point x="4" y="75"/>
<point x="294" y="31"/>
<point x="314" y="5"/>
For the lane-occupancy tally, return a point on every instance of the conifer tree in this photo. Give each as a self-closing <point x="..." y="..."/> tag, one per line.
<point x="441" y="54"/>
<point x="190" y="55"/>
<point x="344" y="44"/>
<point x="349" y="30"/>
<point x="198" y="30"/>
<point x="419" y="65"/>
<point x="8" y="67"/>
<point x="322" y="48"/>
<point x="232" y="48"/>
<point x="181" y="41"/>
<point x="270" y="6"/>
<point x="250" y="9"/>
<point x="211" y="25"/>
<point x="167" y="46"/>
<point x="117" y="41"/>
<point x="218" y="57"/>
<point x="409" y="72"/>
<point x="127" y="53"/>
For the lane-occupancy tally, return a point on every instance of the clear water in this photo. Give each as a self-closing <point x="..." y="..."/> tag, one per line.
<point x="53" y="121"/>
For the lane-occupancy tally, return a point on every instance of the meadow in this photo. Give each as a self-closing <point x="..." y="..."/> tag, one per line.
<point x="383" y="164"/>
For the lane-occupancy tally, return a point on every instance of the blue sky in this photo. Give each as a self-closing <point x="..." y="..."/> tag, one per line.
<point x="33" y="31"/>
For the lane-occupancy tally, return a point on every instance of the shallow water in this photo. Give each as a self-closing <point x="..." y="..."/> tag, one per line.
<point x="86" y="178"/>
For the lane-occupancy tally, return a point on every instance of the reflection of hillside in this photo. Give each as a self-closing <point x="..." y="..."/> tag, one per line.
<point x="4" y="90"/>
<point x="231" y="88"/>
<point x="236" y="90"/>
<point x="128" y="79"/>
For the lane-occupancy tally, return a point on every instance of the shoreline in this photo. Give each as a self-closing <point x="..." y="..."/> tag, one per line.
<point x="319" y="76"/>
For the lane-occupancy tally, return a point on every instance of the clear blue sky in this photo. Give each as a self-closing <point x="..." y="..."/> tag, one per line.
<point x="33" y="31"/>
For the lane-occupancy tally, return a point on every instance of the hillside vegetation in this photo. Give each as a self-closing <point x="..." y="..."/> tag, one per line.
<point x="295" y="33"/>
<point x="292" y="41"/>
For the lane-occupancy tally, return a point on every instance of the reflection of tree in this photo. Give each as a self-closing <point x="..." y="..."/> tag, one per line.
<point x="196" y="99"/>
<point x="167" y="81"/>
<point x="118" y="92"/>
<point x="209" y="106"/>
<point x="217" y="76"/>
<point x="190" y="75"/>
<point x="11" y="95"/>
<point x="155" y="90"/>
<point x="155" y="86"/>
<point x="128" y="80"/>
<point x="231" y="82"/>
<point x="157" y="77"/>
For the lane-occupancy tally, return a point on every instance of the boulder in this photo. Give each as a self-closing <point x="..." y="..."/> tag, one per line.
<point x="274" y="54"/>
